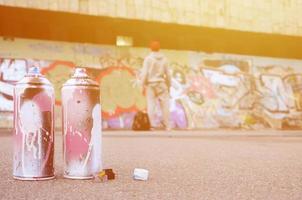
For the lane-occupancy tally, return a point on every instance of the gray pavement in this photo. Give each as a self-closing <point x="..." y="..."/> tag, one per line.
<point x="182" y="165"/>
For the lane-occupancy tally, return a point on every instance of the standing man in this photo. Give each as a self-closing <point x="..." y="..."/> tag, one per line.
<point x="156" y="80"/>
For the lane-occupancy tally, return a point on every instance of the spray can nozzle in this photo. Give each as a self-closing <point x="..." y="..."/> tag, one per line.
<point x="80" y="72"/>
<point x="34" y="71"/>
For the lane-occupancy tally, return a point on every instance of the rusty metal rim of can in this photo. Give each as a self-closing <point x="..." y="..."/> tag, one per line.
<point x="33" y="83"/>
<point x="84" y="85"/>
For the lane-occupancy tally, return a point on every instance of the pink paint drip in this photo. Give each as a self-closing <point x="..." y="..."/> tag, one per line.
<point x="76" y="145"/>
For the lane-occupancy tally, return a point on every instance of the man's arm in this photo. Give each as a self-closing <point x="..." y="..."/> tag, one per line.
<point x="144" y="72"/>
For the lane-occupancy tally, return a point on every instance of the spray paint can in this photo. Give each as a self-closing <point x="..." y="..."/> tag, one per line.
<point x="33" y="139"/>
<point x="81" y="126"/>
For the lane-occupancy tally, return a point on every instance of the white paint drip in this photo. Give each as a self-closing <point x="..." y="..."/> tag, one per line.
<point x="95" y="141"/>
<point x="96" y="132"/>
<point x="78" y="133"/>
<point x="75" y="168"/>
<point x="31" y="126"/>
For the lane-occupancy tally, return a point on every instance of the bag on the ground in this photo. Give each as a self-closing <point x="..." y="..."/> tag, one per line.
<point x="141" y="122"/>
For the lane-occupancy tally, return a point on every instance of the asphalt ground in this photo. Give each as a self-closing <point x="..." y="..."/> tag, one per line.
<point x="182" y="165"/>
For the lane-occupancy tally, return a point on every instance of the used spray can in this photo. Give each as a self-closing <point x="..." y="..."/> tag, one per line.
<point x="81" y="126"/>
<point x="33" y="139"/>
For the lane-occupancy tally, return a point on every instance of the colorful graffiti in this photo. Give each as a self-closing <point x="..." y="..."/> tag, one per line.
<point x="227" y="97"/>
<point x="120" y="98"/>
<point x="58" y="72"/>
<point x="11" y="71"/>
<point x="214" y="93"/>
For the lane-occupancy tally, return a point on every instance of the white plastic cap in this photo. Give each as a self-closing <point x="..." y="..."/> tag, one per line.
<point x="140" y="174"/>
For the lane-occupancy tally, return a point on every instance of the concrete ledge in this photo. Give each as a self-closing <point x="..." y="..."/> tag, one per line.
<point x="203" y="133"/>
<point x="191" y="133"/>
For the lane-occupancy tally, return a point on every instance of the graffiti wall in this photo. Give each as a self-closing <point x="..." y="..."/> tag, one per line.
<point x="208" y="90"/>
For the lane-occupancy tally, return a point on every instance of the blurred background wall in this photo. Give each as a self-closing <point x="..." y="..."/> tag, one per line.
<point x="208" y="90"/>
<point x="268" y="16"/>
<point x="235" y="63"/>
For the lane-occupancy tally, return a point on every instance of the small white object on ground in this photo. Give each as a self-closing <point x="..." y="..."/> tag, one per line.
<point x="140" y="174"/>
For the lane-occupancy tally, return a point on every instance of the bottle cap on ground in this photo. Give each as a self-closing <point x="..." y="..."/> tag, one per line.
<point x="106" y="174"/>
<point x="110" y="174"/>
<point x="101" y="176"/>
<point x="140" y="174"/>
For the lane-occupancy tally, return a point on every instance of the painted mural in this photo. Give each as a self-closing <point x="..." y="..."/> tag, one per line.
<point x="11" y="71"/>
<point x="208" y="91"/>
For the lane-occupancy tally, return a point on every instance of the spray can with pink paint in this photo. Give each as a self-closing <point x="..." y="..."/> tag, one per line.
<point x="81" y="126"/>
<point x="33" y="139"/>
